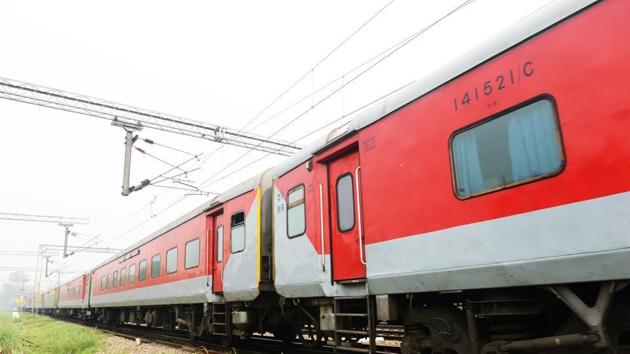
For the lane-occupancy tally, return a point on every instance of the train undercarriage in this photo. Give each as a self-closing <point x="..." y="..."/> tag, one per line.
<point x="584" y="318"/>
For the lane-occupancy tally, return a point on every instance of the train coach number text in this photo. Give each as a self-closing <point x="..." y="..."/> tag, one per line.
<point x="494" y="85"/>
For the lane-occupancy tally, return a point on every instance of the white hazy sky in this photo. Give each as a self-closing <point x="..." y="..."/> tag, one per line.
<point x="220" y="62"/>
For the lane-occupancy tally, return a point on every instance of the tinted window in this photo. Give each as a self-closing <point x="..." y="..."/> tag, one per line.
<point x="296" y="212"/>
<point x="132" y="273"/>
<point x="237" y="232"/>
<point x="123" y="276"/>
<point x="109" y="280"/>
<point x="171" y="260"/>
<point x="143" y="270"/>
<point x="191" y="259"/>
<point x="115" y="279"/>
<point x="513" y="148"/>
<point x="102" y="282"/>
<point x="155" y="266"/>
<point x="220" y="243"/>
<point x="345" y="203"/>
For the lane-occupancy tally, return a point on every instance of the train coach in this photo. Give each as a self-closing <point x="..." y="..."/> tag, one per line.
<point x="484" y="207"/>
<point x="50" y="301"/>
<point x="74" y="297"/>
<point x="210" y="270"/>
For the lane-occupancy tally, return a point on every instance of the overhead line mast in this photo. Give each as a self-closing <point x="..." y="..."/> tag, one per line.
<point x="132" y="119"/>
<point x="125" y="115"/>
<point x="64" y="221"/>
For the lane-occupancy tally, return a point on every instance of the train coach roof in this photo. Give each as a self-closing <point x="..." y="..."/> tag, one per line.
<point x="528" y="26"/>
<point x="239" y="189"/>
<point x="231" y="193"/>
<point x="173" y="224"/>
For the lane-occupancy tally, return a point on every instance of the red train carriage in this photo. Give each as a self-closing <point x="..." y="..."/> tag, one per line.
<point x="73" y="297"/>
<point x="49" y="301"/>
<point x="486" y="207"/>
<point x="218" y="254"/>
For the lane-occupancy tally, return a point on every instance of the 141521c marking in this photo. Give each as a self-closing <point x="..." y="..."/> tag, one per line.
<point x="489" y="87"/>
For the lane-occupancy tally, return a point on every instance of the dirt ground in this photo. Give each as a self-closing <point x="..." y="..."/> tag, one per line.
<point x="118" y="345"/>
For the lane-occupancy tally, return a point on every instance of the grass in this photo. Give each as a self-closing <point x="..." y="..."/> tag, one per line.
<point x="40" y="334"/>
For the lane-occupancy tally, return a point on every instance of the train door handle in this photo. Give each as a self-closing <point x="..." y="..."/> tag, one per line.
<point x="321" y="225"/>
<point x="356" y="182"/>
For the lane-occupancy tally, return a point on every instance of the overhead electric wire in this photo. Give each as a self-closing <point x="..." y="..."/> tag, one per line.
<point x="396" y="48"/>
<point x="409" y="40"/>
<point x="344" y="41"/>
<point x="296" y="82"/>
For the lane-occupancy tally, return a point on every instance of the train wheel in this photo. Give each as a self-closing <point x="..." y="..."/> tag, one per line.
<point x="439" y="330"/>
<point x="285" y="331"/>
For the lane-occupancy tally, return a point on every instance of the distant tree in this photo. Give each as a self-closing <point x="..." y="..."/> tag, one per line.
<point x="7" y="295"/>
<point x="19" y="277"/>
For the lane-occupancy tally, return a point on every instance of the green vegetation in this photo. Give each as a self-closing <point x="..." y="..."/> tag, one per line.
<point x="40" y="334"/>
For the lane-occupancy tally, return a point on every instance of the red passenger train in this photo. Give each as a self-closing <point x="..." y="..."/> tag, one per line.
<point x="484" y="208"/>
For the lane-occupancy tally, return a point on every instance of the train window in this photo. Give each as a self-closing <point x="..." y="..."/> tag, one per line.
<point x="132" y="273"/>
<point x="514" y="148"/>
<point x="115" y="279"/>
<point x="171" y="261"/>
<point x="296" y="212"/>
<point x="102" y="282"/>
<point x="143" y="270"/>
<point x="237" y="232"/>
<point x="191" y="258"/>
<point x="345" y="203"/>
<point x="109" y="280"/>
<point x="220" y="244"/>
<point x="155" y="266"/>
<point x="123" y="276"/>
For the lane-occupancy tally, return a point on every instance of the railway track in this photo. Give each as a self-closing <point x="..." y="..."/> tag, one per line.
<point x="256" y="344"/>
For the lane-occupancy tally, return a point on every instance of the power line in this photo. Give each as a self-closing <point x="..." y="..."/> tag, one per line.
<point x="365" y="23"/>
<point x="405" y="43"/>
<point x="389" y="53"/>
<point x="318" y="64"/>
<point x="134" y="117"/>
<point x="396" y="49"/>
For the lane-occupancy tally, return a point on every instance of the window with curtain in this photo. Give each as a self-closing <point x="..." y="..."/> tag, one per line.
<point x="155" y="266"/>
<point x="345" y="203"/>
<point x="132" y="273"/>
<point x="142" y="270"/>
<point x="296" y="212"/>
<point x="191" y="259"/>
<point x="171" y="261"/>
<point x="219" y="245"/>
<point x="237" y="232"/>
<point x="123" y="276"/>
<point x="516" y="147"/>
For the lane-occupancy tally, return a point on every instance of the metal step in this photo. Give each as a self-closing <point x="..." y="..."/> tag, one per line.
<point x="353" y="349"/>
<point x="350" y="314"/>
<point x="352" y="331"/>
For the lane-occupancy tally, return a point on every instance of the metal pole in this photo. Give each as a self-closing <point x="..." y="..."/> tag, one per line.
<point x="46" y="271"/>
<point x="65" y="242"/>
<point x="127" y="168"/>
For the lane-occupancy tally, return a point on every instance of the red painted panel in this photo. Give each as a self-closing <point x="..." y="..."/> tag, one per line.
<point x="217" y="230"/>
<point x="72" y="290"/>
<point x="177" y="237"/>
<point x="581" y="63"/>
<point x="406" y="176"/>
<point x="346" y="245"/>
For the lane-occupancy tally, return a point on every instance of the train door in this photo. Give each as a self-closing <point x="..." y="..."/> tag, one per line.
<point x="217" y="259"/>
<point x="345" y="217"/>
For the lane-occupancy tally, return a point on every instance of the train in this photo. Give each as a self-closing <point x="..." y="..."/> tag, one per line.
<point x="484" y="208"/>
